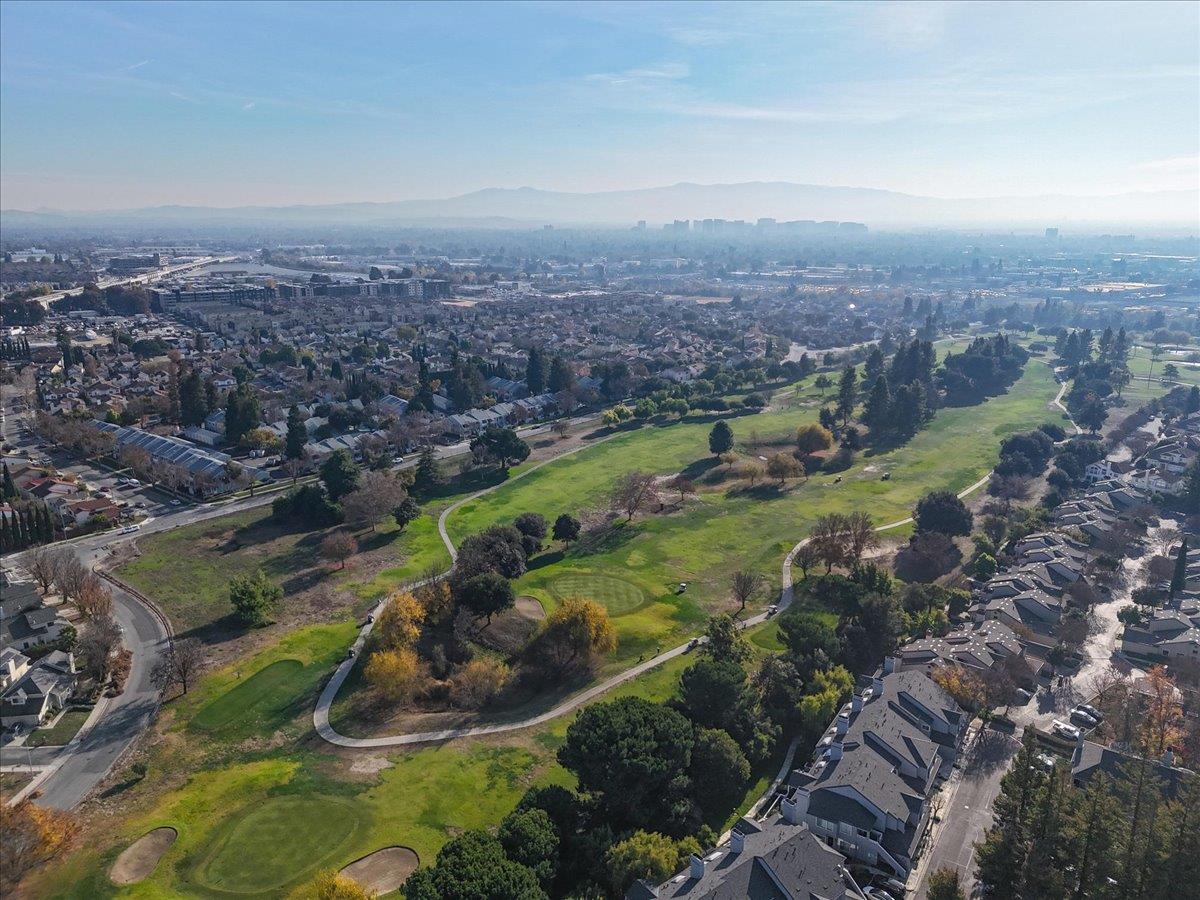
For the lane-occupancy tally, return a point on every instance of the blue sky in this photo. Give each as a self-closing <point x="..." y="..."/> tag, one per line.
<point x="130" y="104"/>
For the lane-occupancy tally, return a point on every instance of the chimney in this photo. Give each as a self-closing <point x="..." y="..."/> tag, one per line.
<point x="1077" y="755"/>
<point x="795" y="807"/>
<point x="890" y="665"/>
<point x="835" y="751"/>
<point x="876" y="687"/>
<point x="856" y="703"/>
<point x="841" y="723"/>
<point x="737" y="841"/>
<point x="697" y="864"/>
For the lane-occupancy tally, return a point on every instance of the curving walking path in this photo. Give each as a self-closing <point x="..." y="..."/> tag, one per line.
<point x="325" y="701"/>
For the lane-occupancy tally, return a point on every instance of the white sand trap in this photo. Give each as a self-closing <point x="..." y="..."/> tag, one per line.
<point x="384" y="870"/>
<point x="138" y="860"/>
<point x="530" y="608"/>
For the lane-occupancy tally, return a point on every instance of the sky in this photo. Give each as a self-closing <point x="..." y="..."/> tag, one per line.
<point x="119" y="105"/>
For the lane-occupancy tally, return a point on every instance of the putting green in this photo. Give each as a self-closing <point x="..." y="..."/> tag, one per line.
<point x="615" y="594"/>
<point x="257" y="701"/>
<point x="276" y="842"/>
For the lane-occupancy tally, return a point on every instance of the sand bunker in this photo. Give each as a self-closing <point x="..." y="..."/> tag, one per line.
<point x="384" y="870"/>
<point x="530" y="608"/>
<point x="138" y="860"/>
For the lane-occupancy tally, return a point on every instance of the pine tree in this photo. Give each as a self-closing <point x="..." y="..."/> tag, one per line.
<point x="1179" y="578"/>
<point x="8" y="487"/>
<point x="877" y="411"/>
<point x="535" y="371"/>
<point x="847" y="394"/>
<point x="1091" y="833"/>
<point x="297" y="436"/>
<point x="1005" y="848"/>
<point x="427" y="476"/>
<point x="5" y="535"/>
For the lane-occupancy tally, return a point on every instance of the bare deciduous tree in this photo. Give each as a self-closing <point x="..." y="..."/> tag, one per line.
<point x="861" y="535"/>
<point x="69" y="574"/>
<point x="94" y="600"/>
<point x="377" y="494"/>
<point x="338" y="546"/>
<point x="96" y="647"/>
<point x="830" y="537"/>
<point x="633" y="492"/>
<point x="42" y="563"/>
<point x="180" y="665"/>
<point x="745" y="586"/>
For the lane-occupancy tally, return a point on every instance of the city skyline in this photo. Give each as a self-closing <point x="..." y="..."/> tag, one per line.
<point x="112" y="106"/>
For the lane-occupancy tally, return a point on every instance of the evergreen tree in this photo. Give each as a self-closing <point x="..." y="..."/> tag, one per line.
<point x="535" y="371"/>
<point x="847" y="394"/>
<point x="193" y="399"/>
<point x="1092" y="836"/>
<point x="427" y="476"/>
<point x="1179" y="578"/>
<point x="562" y="377"/>
<point x="8" y="487"/>
<point x="297" y="436"/>
<point x="1003" y="853"/>
<point x="877" y="411"/>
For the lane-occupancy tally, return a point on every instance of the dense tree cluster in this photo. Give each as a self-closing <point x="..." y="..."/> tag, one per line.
<point x="986" y="368"/>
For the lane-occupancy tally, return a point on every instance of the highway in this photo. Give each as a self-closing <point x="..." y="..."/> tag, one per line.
<point x="144" y="278"/>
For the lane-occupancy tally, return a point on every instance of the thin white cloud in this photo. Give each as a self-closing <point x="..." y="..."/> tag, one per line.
<point x="137" y="65"/>
<point x="249" y="106"/>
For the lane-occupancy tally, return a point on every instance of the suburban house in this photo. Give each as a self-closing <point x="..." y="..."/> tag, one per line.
<point x="774" y="860"/>
<point x="1172" y="634"/>
<point x="867" y="793"/>
<point x="1090" y="758"/>
<point x="41" y="689"/>
<point x="25" y="620"/>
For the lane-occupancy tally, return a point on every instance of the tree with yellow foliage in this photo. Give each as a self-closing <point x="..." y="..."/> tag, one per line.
<point x="572" y="636"/>
<point x="400" y="620"/>
<point x="29" y="836"/>
<point x="394" y="674"/>
<point x="1162" y="719"/>
<point x="967" y="688"/>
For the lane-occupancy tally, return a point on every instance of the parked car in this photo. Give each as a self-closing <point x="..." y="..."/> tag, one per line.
<point x="1091" y="711"/>
<point x="1062" y="729"/>
<point x="1082" y="719"/>
<point x="130" y="529"/>
<point x="1023" y="695"/>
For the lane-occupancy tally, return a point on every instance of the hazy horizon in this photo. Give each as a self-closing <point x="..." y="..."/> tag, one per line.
<point x="113" y="106"/>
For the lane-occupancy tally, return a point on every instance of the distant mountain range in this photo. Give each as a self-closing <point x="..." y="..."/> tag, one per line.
<point x="525" y="207"/>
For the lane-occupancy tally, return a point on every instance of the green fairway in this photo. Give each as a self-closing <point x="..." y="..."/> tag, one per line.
<point x="264" y="697"/>
<point x="722" y="530"/>
<point x="276" y="842"/>
<point x="616" y="595"/>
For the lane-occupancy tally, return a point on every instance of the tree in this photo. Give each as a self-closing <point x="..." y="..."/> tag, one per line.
<point x="29" y="836"/>
<point x="501" y="446"/>
<point x="873" y="633"/>
<point x="720" y="439"/>
<point x="428" y="476"/>
<point x="566" y="528"/>
<point x="180" y="664"/>
<point x="475" y="684"/>
<point x="529" y="837"/>
<point x="535" y="371"/>
<point x="400" y="619"/>
<point x="812" y="643"/>
<point x="576" y="633"/>
<point x="94" y="600"/>
<point x="813" y="438"/>
<point x="407" y="511"/>
<point x="377" y="495"/>
<point x="340" y="474"/>
<point x="297" y="435"/>
<point x="486" y="594"/>
<point x="725" y="639"/>
<point x="337" y="546"/>
<point x="943" y="512"/>
<point x="847" y="394"/>
<point x="242" y="412"/>
<point x="394" y="674"/>
<point x="97" y="646"/>
<point x="746" y="586"/>
<point x="473" y="866"/>
<point x="944" y="885"/>
<point x="42" y="564"/>
<point x="720" y="769"/>
<point x="1001" y="856"/>
<point x="646" y="855"/>
<point x="332" y="885"/>
<point x="830" y="538"/>
<point x="498" y="548"/>
<point x="69" y="574"/>
<point x="632" y="756"/>
<point x="533" y="529"/>
<point x="927" y="557"/>
<point x="710" y="689"/>
<point x="633" y="492"/>
<point x="784" y="466"/>
<point x="861" y="535"/>
<point x="1179" y="576"/>
<point x="193" y="400"/>
<point x="254" y="598"/>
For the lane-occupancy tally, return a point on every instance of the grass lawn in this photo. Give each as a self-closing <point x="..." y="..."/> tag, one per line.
<point x="62" y="732"/>
<point x="187" y="571"/>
